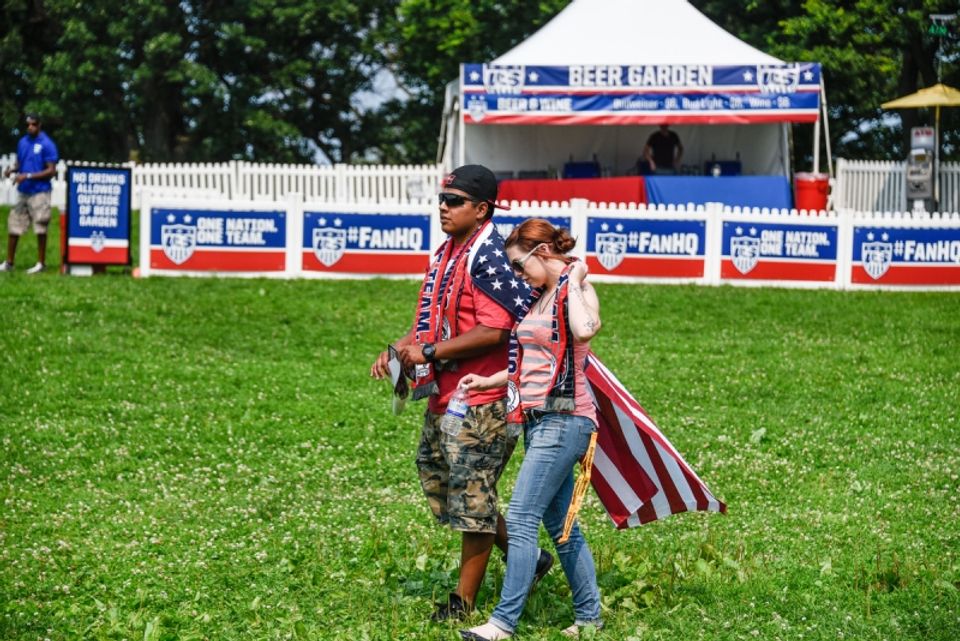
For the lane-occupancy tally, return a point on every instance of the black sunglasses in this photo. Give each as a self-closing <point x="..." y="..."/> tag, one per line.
<point x="454" y="200"/>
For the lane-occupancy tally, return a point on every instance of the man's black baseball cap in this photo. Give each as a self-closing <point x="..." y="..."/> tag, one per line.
<point x="477" y="181"/>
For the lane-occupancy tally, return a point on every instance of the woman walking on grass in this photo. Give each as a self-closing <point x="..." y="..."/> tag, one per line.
<point x="547" y="393"/>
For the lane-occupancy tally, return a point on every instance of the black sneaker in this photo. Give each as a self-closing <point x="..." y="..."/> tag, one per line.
<point x="544" y="563"/>
<point x="455" y="608"/>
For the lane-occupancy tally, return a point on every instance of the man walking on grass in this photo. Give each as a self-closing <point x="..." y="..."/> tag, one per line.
<point x="36" y="166"/>
<point x="468" y="303"/>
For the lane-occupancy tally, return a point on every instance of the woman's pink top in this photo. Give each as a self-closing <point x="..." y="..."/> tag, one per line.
<point x="538" y="364"/>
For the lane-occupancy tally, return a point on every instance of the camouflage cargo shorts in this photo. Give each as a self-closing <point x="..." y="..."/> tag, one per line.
<point x="459" y="473"/>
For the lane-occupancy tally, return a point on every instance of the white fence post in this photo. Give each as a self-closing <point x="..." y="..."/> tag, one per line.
<point x="340" y="191"/>
<point x="579" y="211"/>
<point x="845" y="220"/>
<point x="713" y="251"/>
<point x="145" y="214"/>
<point x="294" y="215"/>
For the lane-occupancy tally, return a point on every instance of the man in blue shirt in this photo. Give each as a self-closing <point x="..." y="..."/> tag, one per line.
<point x="36" y="166"/>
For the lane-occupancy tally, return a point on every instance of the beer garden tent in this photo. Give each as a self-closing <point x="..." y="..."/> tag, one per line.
<point x="596" y="80"/>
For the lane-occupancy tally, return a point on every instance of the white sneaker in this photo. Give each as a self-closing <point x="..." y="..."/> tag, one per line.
<point x="36" y="269"/>
<point x="6" y="267"/>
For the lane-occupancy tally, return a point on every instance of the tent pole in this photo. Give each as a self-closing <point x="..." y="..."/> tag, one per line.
<point x="826" y="127"/>
<point x="786" y="149"/>
<point x="816" y="145"/>
<point x="936" y="160"/>
<point x="463" y="124"/>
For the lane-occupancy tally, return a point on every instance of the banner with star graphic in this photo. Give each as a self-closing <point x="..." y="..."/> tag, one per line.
<point x="775" y="251"/>
<point x="905" y="255"/>
<point x="646" y="247"/>
<point x="218" y="240"/>
<point x="365" y="243"/>
<point x="639" y="94"/>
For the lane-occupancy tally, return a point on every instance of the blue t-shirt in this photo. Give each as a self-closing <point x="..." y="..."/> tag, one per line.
<point x="33" y="154"/>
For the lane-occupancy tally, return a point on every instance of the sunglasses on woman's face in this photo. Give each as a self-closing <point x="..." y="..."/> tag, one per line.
<point x="454" y="200"/>
<point x="517" y="264"/>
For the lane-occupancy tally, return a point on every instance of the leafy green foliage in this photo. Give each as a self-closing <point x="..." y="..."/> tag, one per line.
<point x="872" y="51"/>
<point x="288" y="80"/>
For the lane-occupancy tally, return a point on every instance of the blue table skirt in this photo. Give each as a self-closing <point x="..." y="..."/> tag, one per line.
<point x="742" y="191"/>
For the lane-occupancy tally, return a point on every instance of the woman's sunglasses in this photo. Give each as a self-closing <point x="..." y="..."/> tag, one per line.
<point x="517" y="264"/>
<point x="454" y="200"/>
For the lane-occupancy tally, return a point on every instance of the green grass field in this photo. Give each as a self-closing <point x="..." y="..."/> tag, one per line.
<point x="208" y="459"/>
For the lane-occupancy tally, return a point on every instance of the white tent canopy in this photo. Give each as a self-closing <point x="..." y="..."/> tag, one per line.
<point x="632" y="31"/>
<point x="618" y="32"/>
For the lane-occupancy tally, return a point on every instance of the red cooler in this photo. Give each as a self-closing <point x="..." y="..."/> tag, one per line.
<point x="811" y="191"/>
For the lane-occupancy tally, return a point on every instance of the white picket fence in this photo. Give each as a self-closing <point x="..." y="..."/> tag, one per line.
<point x="838" y="229"/>
<point x="858" y="185"/>
<point x="240" y="180"/>
<point x="881" y="185"/>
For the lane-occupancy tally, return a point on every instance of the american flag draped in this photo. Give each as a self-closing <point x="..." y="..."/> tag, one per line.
<point x="491" y="273"/>
<point x="637" y="474"/>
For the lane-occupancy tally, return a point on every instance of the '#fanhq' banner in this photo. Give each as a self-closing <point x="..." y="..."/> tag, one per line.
<point x="639" y="94"/>
<point x="98" y="215"/>
<point x="651" y="248"/>
<point x="906" y="256"/>
<point x="506" y="222"/>
<point x="366" y="243"/>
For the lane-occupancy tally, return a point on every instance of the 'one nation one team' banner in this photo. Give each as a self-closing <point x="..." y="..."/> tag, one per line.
<point x="763" y="251"/>
<point x="650" y="248"/>
<point x="639" y="94"/>
<point x="905" y="256"/>
<point x="98" y="215"/>
<point x="365" y="243"/>
<point x="220" y="241"/>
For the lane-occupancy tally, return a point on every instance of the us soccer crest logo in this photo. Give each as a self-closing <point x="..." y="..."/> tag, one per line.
<point x="328" y="244"/>
<point x="178" y="242"/>
<point x="611" y="248"/>
<point x="477" y="107"/>
<point x="876" y="258"/>
<point x="744" y="252"/>
<point x="97" y="241"/>
<point x="513" y="396"/>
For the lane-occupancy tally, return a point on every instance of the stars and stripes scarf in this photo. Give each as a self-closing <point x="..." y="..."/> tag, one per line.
<point x="484" y="259"/>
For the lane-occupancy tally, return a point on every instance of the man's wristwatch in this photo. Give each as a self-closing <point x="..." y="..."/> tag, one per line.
<point x="429" y="351"/>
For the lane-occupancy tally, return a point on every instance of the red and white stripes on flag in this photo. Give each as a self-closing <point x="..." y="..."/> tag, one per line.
<point x="637" y="474"/>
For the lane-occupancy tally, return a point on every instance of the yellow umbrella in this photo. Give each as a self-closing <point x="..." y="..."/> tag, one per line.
<point x="939" y="95"/>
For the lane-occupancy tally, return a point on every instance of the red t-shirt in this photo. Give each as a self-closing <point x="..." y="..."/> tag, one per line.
<point x="476" y="308"/>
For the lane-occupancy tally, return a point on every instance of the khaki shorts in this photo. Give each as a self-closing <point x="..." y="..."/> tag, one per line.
<point x="29" y="207"/>
<point x="459" y="473"/>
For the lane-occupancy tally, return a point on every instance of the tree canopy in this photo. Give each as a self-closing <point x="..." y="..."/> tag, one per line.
<point x="297" y="80"/>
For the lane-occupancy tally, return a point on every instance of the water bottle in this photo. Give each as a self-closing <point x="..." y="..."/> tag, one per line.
<point x="457" y="408"/>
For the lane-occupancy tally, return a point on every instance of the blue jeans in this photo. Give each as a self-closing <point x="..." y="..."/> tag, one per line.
<point x="544" y="487"/>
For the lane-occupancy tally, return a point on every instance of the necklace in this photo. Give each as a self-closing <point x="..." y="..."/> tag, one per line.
<point x="545" y="300"/>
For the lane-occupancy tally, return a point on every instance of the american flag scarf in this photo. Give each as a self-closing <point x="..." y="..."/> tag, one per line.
<point x="482" y="257"/>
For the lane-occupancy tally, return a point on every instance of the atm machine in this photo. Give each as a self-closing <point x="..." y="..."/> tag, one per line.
<point x="921" y="167"/>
